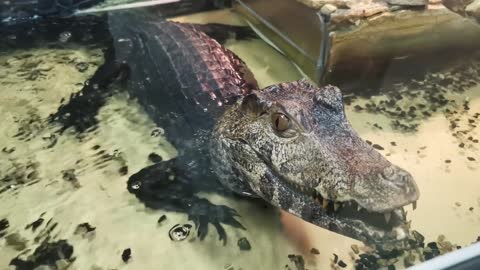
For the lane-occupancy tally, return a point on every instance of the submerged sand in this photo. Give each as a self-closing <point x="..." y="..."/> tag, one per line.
<point x="449" y="202"/>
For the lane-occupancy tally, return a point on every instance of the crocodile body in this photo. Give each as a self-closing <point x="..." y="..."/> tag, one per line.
<point x="289" y="144"/>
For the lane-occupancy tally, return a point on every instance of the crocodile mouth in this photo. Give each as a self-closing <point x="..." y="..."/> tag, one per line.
<point x="347" y="217"/>
<point x="351" y="219"/>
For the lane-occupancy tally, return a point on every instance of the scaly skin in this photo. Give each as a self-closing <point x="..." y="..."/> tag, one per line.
<point x="207" y="101"/>
<point x="318" y="169"/>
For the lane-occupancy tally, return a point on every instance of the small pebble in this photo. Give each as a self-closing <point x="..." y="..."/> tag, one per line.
<point x="471" y="208"/>
<point x="157" y="132"/>
<point x="393" y="143"/>
<point x="69" y="175"/>
<point x="328" y="9"/>
<point x="126" y="255"/>
<point x="179" y="232"/>
<point x="4" y="224"/>
<point x="335" y="258"/>
<point x="86" y="227"/>
<point x="432" y="245"/>
<point x="155" y="158"/>
<point x="355" y="249"/>
<point x="298" y="261"/>
<point x="342" y="264"/>
<point x="314" y="251"/>
<point x="448" y="161"/>
<point x="378" y="147"/>
<point x="123" y="170"/>
<point x="34" y="225"/>
<point x="461" y="145"/>
<point x="8" y="150"/>
<point x="64" y="36"/>
<point x="82" y="66"/>
<point x="409" y="260"/>
<point x="458" y="204"/>
<point x="471" y="158"/>
<point x="441" y="238"/>
<point x="162" y="219"/>
<point x="243" y="244"/>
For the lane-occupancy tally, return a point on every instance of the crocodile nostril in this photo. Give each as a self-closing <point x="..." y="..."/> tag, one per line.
<point x="406" y="178"/>
<point x="389" y="173"/>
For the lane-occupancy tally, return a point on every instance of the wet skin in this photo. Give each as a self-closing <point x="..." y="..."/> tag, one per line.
<point x="289" y="144"/>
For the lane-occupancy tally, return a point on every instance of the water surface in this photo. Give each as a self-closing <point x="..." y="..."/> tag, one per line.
<point x="38" y="163"/>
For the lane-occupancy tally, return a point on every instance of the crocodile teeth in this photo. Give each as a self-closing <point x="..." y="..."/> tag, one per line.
<point x="336" y="206"/>
<point x="388" y="216"/>
<point x="325" y="204"/>
<point x="359" y="208"/>
<point x="414" y="205"/>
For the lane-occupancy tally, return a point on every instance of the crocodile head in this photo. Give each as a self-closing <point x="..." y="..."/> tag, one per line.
<point x="292" y="145"/>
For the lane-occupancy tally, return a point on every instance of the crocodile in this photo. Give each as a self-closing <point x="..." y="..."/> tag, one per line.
<point x="290" y="144"/>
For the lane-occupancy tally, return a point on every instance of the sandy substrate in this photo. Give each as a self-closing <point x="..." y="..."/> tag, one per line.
<point x="100" y="197"/>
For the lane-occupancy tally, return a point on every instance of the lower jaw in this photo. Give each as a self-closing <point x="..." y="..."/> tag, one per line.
<point x="308" y="209"/>
<point x="392" y="235"/>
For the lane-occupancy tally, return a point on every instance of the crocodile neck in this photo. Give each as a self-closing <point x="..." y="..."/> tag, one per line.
<point x="183" y="78"/>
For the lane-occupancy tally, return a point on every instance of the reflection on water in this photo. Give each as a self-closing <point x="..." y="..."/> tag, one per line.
<point x="68" y="187"/>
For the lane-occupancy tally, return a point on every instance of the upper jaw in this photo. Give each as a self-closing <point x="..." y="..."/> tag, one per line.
<point x="349" y="218"/>
<point x="374" y="232"/>
<point x="377" y="221"/>
<point x="385" y="194"/>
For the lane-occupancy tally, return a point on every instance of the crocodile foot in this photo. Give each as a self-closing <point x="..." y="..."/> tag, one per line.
<point x="80" y="112"/>
<point x="164" y="186"/>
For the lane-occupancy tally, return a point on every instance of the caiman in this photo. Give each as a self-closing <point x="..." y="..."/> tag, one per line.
<point x="289" y="144"/>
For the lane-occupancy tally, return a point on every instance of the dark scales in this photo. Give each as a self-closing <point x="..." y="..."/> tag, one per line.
<point x="181" y="118"/>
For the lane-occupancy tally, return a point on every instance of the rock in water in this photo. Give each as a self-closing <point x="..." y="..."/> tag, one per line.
<point x="328" y="9"/>
<point x="126" y="255"/>
<point x="4" y="224"/>
<point x="408" y="2"/>
<point x="474" y="9"/>
<point x="244" y="244"/>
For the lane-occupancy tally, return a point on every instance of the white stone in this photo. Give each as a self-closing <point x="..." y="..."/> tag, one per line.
<point x="474" y="9"/>
<point x="408" y="2"/>
<point x="328" y="9"/>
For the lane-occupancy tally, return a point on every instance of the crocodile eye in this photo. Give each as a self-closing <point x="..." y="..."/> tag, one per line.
<point x="280" y="122"/>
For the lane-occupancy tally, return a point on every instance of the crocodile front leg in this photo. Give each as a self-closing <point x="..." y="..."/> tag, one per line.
<point x="81" y="110"/>
<point x="165" y="186"/>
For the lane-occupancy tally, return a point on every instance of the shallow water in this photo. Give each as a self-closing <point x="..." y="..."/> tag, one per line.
<point x="39" y="163"/>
